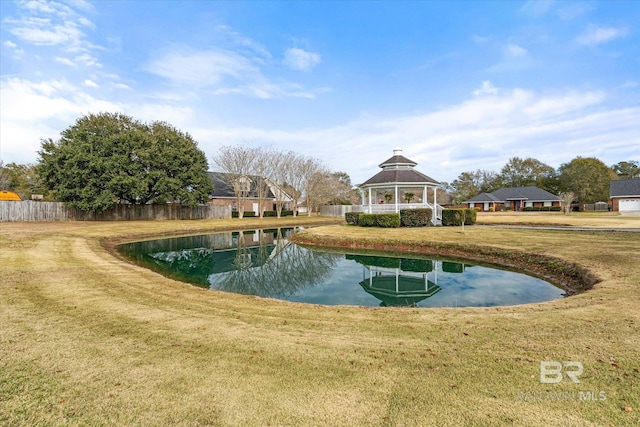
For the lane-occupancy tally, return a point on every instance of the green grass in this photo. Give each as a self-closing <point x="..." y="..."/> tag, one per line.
<point x="88" y="339"/>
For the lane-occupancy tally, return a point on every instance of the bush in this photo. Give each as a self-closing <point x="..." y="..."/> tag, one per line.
<point x="247" y="214"/>
<point x="543" y="209"/>
<point x="415" y="217"/>
<point x="352" y="217"/>
<point x="391" y="220"/>
<point x="471" y="216"/>
<point x="452" y="217"/>
<point x="269" y="213"/>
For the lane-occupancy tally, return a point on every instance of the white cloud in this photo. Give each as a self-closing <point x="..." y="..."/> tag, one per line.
<point x="515" y="51"/>
<point x="65" y="61"/>
<point x="595" y="35"/>
<point x="51" y="23"/>
<point x="202" y="67"/>
<point x="536" y="8"/>
<point x="223" y="72"/>
<point x="480" y="133"/>
<point x="487" y="89"/>
<point x="90" y="83"/>
<point x="10" y="44"/>
<point x="514" y="58"/>
<point x="300" y="59"/>
<point x="121" y="86"/>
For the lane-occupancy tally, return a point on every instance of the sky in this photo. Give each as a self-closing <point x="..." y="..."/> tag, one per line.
<point x="458" y="85"/>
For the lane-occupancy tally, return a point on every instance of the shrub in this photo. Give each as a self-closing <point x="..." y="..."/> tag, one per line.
<point x="352" y="217"/>
<point x="415" y="217"/>
<point x="452" y="217"/>
<point x="269" y="213"/>
<point x="247" y="214"/>
<point x="287" y="213"/>
<point x="390" y="220"/>
<point x="470" y="217"/>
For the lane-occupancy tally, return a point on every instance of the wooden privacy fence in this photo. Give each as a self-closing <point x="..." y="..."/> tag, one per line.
<point x="56" y="211"/>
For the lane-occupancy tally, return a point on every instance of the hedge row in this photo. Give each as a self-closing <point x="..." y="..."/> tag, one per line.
<point x="412" y="218"/>
<point x="391" y="220"/>
<point x="252" y="214"/>
<point x="274" y="213"/>
<point x="543" y="209"/>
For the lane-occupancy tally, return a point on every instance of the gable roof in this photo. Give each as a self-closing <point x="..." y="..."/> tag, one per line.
<point x="222" y="187"/>
<point x="483" y="197"/>
<point x="624" y="188"/>
<point x="501" y="195"/>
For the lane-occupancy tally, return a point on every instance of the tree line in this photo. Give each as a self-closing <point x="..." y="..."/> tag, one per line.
<point x="586" y="177"/>
<point x="291" y="177"/>
<point x="109" y="158"/>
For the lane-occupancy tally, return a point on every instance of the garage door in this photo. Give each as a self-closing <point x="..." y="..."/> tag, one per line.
<point x="629" y="205"/>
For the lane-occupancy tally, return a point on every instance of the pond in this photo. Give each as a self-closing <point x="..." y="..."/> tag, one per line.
<point x="266" y="264"/>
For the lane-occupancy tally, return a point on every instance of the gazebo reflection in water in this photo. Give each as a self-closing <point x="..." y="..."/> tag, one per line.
<point x="402" y="282"/>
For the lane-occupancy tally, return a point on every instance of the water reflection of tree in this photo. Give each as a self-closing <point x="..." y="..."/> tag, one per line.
<point x="277" y="270"/>
<point x="262" y="263"/>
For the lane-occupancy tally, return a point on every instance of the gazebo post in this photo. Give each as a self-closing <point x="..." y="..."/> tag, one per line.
<point x="369" y="199"/>
<point x="396" y="197"/>
<point x="434" y="205"/>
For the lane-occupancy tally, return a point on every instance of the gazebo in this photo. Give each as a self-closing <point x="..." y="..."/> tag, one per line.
<point x="399" y="186"/>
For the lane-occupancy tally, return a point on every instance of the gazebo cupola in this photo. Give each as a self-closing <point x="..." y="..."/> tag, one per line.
<point x="399" y="186"/>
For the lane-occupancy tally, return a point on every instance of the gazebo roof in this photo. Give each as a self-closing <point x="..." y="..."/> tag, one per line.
<point x="398" y="170"/>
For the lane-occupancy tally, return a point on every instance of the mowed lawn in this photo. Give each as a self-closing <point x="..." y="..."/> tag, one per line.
<point x="88" y="339"/>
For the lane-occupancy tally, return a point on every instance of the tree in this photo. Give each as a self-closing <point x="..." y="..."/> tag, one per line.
<point x="566" y="199"/>
<point x="408" y="197"/>
<point x="588" y="178"/>
<point x="627" y="170"/>
<point x="526" y="172"/>
<point x="21" y="179"/>
<point x="108" y="158"/>
<point x="5" y="179"/>
<point x="318" y="191"/>
<point x="469" y="184"/>
<point x="237" y="163"/>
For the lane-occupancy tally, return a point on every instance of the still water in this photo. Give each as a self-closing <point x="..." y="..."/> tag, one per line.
<point x="266" y="264"/>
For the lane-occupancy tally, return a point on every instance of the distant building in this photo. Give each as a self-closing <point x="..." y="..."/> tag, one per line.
<point x="223" y="194"/>
<point x="625" y="195"/>
<point x="514" y="198"/>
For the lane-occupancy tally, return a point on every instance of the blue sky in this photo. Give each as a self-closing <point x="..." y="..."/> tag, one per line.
<point x="459" y="85"/>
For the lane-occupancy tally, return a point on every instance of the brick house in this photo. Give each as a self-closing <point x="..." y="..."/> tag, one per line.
<point x="514" y="198"/>
<point x="625" y="195"/>
<point x="223" y="194"/>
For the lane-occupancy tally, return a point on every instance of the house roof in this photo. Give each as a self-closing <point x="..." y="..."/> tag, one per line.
<point x="222" y="187"/>
<point x="624" y="188"/>
<point x="484" y="197"/>
<point x="531" y="193"/>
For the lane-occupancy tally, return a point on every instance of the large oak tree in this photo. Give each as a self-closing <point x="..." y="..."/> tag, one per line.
<point x="107" y="158"/>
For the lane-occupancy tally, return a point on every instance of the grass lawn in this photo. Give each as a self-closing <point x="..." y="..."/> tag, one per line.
<point x="88" y="339"/>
